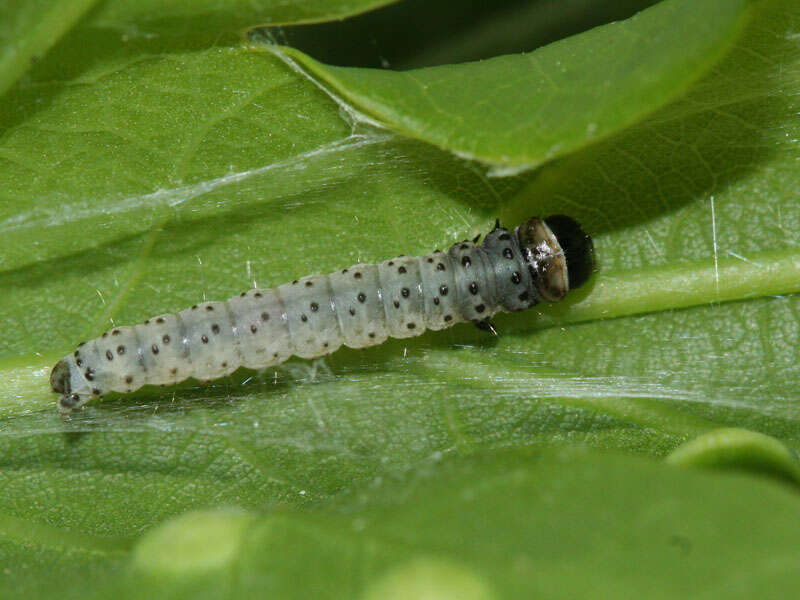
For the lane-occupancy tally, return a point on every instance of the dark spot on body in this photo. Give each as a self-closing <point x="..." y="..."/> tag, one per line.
<point x="508" y="253"/>
<point x="314" y="307"/>
<point x="128" y="379"/>
<point x="258" y="294"/>
<point x="463" y="246"/>
<point x="120" y="350"/>
<point x="448" y="318"/>
<point x="224" y="364"/>
<point x="264" y="317"/>
<point x="295" y="282"/>
<point x="396" y="304"/>
<point x="443" y="290"/>
<point x="391" y="263"/>
<point x="275" y="355"/>
<point x="95" y="392"/>
<point x="243" y="294"/>
<point x="411" y="325"/>
<point x="440" y="267"/>
<point x="523" y="296"/>
<point x="154" y="348"/>
<point x="473" y="288"/>
<point x="325" y="345"/>
<point x="115" y="332"/>
<point x="466" y="261"/>
<point x="204" y="338"/>
<point x="436" y="300"/>
<point x="105" y="335"/>
<point x="303" y="318"/>
<point x="357" y="275"/>
<point x="147" y="322"/>
<point x="173" y="371"/>
<point x="405" y="292"/>
<point x="480" y="308"/>
<point x="515" y="277"/>
<point x="215" y="328"/>
<point x="109" y="355"/>
<point x="401" y="270"/>
<point x="253" y="328"/>
<point x="79" y="362"/>
<point x="504" y="237"/>
<point x="160" y="320"/>
<point x="344" y="271"/>
<point x="165" y="339"/>
<point x="194" y="306"/>
<point x="209" y="307"/>
<point x="84" y="343"/>
<point x="361" y="297"/>
<point x="352" y="311"/>
<point x="309" y="283"/>
<point x="430" y="260"/>
<point x="89" y="374"/>
<point x="371" y="334"/>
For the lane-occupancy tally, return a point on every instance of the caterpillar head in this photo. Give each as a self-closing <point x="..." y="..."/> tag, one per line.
<point x="560" y="255"/>
<point x="66" y="380"/>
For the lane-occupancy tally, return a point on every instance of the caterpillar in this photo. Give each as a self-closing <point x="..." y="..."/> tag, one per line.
<point x="360" y="306"/>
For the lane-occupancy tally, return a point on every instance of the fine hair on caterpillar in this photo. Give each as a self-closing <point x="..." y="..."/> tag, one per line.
<point x="360" y="306"/>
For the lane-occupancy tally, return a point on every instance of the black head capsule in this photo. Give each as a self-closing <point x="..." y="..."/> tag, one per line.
<point x="559" y="254"/>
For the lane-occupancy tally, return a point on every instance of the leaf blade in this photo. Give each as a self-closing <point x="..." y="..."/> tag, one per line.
<point x="29" y="29"/>
<point x="516" y="112"/>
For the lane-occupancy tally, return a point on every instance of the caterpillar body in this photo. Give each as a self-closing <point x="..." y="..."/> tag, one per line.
<point x="359" y="306"/>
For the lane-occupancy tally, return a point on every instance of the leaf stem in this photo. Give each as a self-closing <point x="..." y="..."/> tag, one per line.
<point x="619" y="294"/>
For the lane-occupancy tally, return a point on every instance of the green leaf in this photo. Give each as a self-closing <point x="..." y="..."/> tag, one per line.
<point x="517" y="111"/>
<point x="739" y="449"/>
<point x="143" y="180"/>
<point x="28" y="28"/>
<point x="515" y="525"/>
<point x="190" y="17"/>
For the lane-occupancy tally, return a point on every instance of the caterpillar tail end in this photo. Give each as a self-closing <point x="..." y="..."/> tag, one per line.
<point x="60" y="382"/>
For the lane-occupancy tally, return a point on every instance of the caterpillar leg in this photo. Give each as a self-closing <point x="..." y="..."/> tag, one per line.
<point x="69" y="402"/>
<point x="486" y="325"/>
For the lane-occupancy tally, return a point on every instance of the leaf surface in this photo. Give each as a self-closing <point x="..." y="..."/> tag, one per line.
<point x="189" y="17"/>
<point x="517" y="111"/>
<point x="149" y="179"/>
<point x="28" y="28"/>
<point x="548" y="524"/>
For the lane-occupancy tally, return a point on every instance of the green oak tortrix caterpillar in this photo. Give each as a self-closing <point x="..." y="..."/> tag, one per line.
<point x="360" y="306"/>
